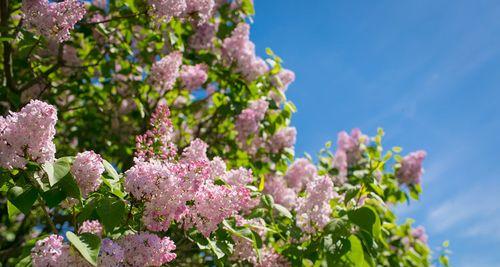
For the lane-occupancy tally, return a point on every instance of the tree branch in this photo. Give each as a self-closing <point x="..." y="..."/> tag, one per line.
<point x="7" y="47"/>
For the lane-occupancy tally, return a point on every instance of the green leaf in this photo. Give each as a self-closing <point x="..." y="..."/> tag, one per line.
<point x="6" y="38"/>
<point x="111" y="211"/>
<point x="247" y="7"/>
<point x="54" y="196"/>
<point x="268" y="200"/>
<point x="290" y="106"/>
<point x="397" y="149"/>
<point x="22" y="199"/>
<point x="376" y="188"/>
<point x="367" y="219"/>
<point x="114" y="182"/>
<point x="70" y="187"/>
<point x="140" y="107"/>
<point x="269" y="51"/>
<point x="215" y="249"/>
<point x="283" y="211"/>
<point x="110" y="170"/>
<point x="24" y="262"/>
<point x="89" y="210"/>
<point x="12" y="211"/>
<point x="4" y="178"/>
<point x="87" y="244"/>
<point x="415" y="190"/>
<point x="114" y="187"/>
<point x="328" y="144"/>
<point x="356" y="255"/>
<point x="262" y="182"/>
<point x="350" y="193"/>
<point x="57" y="170"/>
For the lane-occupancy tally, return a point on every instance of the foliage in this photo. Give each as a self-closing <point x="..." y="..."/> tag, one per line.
<point x="111" y="82"/>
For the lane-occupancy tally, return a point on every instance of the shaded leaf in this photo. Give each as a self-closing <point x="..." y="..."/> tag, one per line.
<point x="22" y="199"/>
<point x="111" y="211"/>
<point x="367" y="219"/>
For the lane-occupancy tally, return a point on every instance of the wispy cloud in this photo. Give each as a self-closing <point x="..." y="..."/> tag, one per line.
<point x="474" y="213"/>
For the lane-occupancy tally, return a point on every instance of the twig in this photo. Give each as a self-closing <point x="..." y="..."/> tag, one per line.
<point x="32" y="48"/>
<point x="40" y="78"/>
<point x="114" y="18"/>
<point x="60" y="62"/>
<point x="42" y="203"/>
<point x="47" y="216"/>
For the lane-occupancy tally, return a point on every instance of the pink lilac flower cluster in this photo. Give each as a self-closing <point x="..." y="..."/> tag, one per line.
<point x="201" y="9"/>
<point x="285" y="189"/>
<point x="145" y="249"/>
<point x="240" y="51"/>
<point x="238" y="177"/>
<point x="247" y="122"/>
<point x="284" y="138"/>
<point x="349" y="152"/>
<point x="142" y="249"/>
<point x="111" y="254"/>
<point x="270" y="258"/>
<point x="313" y="210"/>
<point x="87" y="170"/>
<point x="184" y="191"/>
<point x="53" y="252"/>
<point x="91" y="227"/>
<point x="245" y="251"/>
<point x="411" y="168"/>
<point x="215" y="203"/>
<point x="243" y="248"/>
<point x="194" y="76"/>
<point x="165" y="10"/>
<point x="281" y="81"/>
<point x="164" y="72"/>
<point x="143" y="178"/>
<point x="277" y="187"/>
<point x="419" y="234"/>
<point x="300" y="173"/>
<point x="28" y="135"/>
<point x="247" y="125"/>
<point x="157" y="142"/>
<point x="203" y="36"/>
<point x="192" y="180"/>
<point x="54" y="20"/>
<point x="50" y="251"/>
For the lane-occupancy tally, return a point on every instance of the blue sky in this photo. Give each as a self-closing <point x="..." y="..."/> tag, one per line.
<point x="428" y="72"/>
